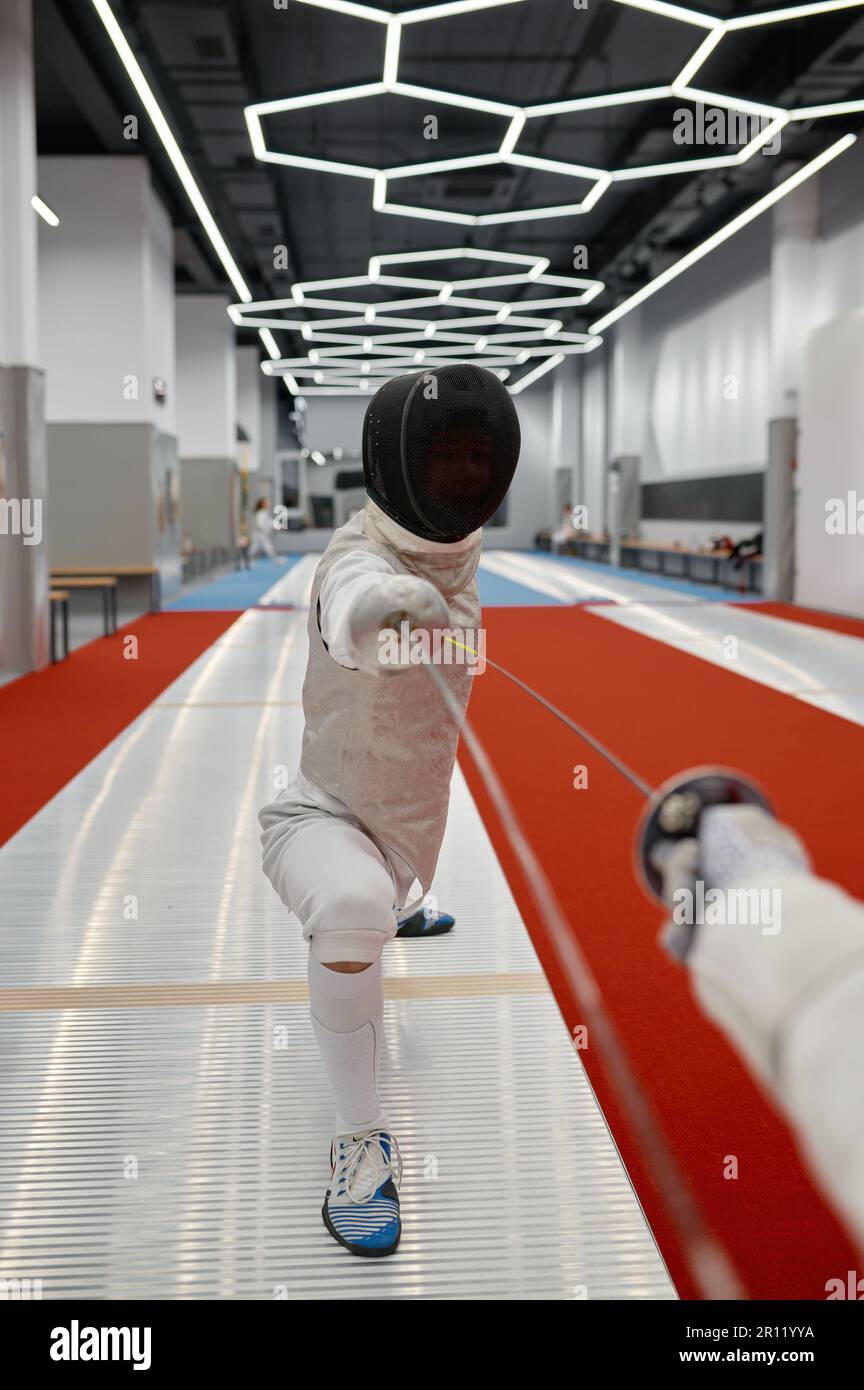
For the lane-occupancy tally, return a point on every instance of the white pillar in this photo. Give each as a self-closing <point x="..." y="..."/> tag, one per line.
<point x="18" y="221"/>
<point x="249" y="382"/>
<point x="207" y="422"/>
<point x="629" y="381"/>
<point x="24" y="612"/>
<point x="793" y="285"/>
<point x="794" y="229"/>
<point x="207" y="378"/>
<point x="107" y="332"/>
<point x="566" y="436"/>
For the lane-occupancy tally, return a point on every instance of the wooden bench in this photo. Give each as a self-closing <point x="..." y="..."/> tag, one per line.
<point x="116" y="572"/>
<point x="595" y="546"/>
<point x="598" y="547"/>
<point x="59" y="598"/>
<point x="108" y="588"/>
<point x="718" y="559"/>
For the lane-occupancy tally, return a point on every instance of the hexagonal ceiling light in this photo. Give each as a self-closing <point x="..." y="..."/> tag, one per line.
<point x="507" y="154"/>
<point x="506" y="335"/>
<point x="775" y="117"/>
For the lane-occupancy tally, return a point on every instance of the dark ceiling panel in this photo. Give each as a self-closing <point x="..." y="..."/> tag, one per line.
<point x="209" y="60"/>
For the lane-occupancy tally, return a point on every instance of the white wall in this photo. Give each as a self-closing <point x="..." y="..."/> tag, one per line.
<point x="530" y="496"/>
<point x="830" y="563"/>
<point x="106" y="293"/>
<point x="690" y="369"/>
<point x="206" y="378"/>
<point x="839" y="272"/>
<point x="159" y="311"/>
<point x="338" y="420"/>
<point x="769" y="325"/>
<point x="335" y="422"/>
<point x="709" y="388"/>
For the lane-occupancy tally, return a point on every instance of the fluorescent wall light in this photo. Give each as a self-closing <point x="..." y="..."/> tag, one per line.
<point x="723" y="233"/>
<point x="536" y="372"/>
<point x="181" y="168"/>
<point x="751" y="21"/>
<point x="44" y="211"/>
<point x="172" y="149"/>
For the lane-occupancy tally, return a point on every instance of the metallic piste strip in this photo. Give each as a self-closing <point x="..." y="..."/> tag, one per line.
<point x="181" y="1151"/>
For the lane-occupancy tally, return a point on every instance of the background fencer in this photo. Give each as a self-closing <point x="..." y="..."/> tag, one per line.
<point x="791" y="999"/>
<point x="261" y="542"/>
<point x="365" y="815"/>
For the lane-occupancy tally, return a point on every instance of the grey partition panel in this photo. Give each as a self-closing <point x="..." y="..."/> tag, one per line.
<point x="208" y="501"/>
<point x="100" y="494"/>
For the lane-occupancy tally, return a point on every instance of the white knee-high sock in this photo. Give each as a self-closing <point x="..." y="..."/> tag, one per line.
<point x="348" y="1020"/>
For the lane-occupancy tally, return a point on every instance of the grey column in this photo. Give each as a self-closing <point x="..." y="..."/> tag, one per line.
<point x="24" y="612"/>
<point x="778" y="528"/>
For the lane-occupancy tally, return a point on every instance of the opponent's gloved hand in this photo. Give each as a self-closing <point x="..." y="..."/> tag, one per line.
<point x="383" y="608"/>
<point x="735" y="844"/>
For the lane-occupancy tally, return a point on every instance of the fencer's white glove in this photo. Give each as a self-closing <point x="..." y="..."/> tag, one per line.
<point x="736" y="843"/>
<point x="381" y="609"/>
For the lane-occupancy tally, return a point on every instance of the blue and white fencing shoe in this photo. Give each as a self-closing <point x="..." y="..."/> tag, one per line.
<point x="361" y="1209"/>
<point x="426" y="921"/>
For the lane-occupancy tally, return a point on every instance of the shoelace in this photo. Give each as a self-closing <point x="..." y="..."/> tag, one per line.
<point x="356" y="1152"/>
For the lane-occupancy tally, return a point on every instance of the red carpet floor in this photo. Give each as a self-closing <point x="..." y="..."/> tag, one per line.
<point x="659" y="709"/>
<point x="810" y="617"/>
<point x="662" y="710"/>
<point x="57" y="720"/>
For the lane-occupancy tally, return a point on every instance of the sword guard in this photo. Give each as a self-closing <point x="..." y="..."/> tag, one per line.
<point x="675" y="809"/>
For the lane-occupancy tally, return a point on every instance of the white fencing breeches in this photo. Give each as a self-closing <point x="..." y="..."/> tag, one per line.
<point x="328" y="870"/>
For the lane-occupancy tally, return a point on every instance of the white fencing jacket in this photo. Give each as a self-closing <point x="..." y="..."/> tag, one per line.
<point x="383" y="746"/>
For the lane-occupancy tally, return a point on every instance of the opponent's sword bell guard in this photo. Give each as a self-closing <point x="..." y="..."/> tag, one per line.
<point x="674" y="810"/>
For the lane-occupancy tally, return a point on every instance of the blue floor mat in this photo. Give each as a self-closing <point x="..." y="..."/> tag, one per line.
<point x="498" y="592"/>
<point x="235" y="591"/>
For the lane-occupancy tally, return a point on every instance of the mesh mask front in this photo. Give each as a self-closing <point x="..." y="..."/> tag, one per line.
<point x="440" y="449"/>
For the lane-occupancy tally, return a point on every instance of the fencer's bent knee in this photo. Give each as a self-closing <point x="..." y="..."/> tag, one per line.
<point x="334" y="878"/>
<point x="352" y="923"/>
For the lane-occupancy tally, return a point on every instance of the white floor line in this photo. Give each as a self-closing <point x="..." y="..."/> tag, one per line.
<point x="815" y="665"/>
<point x="295" y="586"/>
<point x="572" y="584"/>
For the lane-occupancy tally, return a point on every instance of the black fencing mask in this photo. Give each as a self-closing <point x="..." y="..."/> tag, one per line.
<point x="440" y="449"/>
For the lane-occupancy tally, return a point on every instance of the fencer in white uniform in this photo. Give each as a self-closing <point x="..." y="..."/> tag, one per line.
<point x="262" y="534"/>
<point x="789" y="993"/>
<point x="365" y="815"/>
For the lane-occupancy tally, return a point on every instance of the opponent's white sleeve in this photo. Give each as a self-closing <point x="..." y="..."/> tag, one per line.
<point x="792" y="1001"/>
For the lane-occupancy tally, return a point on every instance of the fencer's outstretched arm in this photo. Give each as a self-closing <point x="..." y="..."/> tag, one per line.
<point x="788" y="988"/>
<point x="362" y="595"/>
